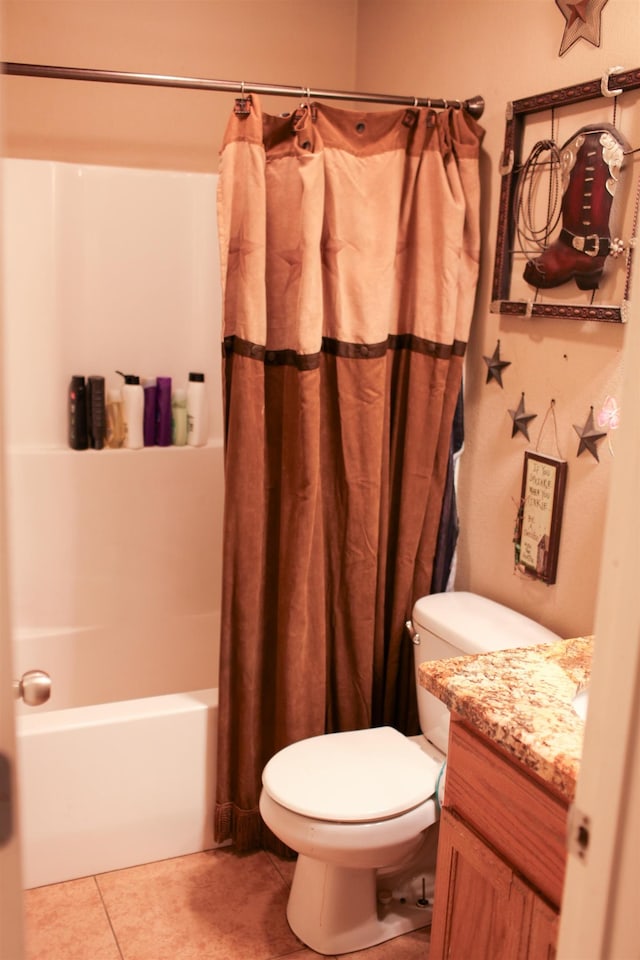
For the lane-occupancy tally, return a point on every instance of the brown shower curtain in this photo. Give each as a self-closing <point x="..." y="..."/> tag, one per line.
<point x="349" y="250"/>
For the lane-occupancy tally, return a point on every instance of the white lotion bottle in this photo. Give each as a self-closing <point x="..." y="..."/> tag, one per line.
<point x="197" y="426"/>
<point x="132" y="411"/>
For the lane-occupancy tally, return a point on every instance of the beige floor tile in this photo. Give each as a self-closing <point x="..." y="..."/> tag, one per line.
<point x="208" y="906"/>
<point x="306" y="953"/>
<point x="410" y="946"/>
<point x="284" y="867"/>
<point x="214" y="905"/>
<point x="67" y="921"/>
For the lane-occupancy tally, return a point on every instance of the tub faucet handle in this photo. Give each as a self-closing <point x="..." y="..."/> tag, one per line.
<point x="34" y="688"/>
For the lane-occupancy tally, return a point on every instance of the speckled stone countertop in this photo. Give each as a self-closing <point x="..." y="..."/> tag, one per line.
<point x="522" y="700"/>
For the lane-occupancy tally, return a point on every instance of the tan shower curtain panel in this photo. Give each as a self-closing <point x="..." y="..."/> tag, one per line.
<point x="349" y="250"/>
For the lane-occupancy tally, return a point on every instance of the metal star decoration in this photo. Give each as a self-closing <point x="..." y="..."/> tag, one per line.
<point x="495" y="365"/>
<point x="589" y="436"/>
<point x="583" y="22"/>
<point x="521" y="419"/>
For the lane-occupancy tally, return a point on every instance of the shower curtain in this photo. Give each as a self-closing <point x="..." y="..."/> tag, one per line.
<point x="349" y="251"/>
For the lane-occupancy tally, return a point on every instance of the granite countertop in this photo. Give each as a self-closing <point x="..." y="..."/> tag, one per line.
<point x="521" y="699"/>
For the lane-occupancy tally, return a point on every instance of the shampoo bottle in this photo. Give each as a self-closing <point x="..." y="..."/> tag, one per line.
<point x="96" y="411"/>
<point x="115" y="419"/>
<point x="78" y="432"/>
<point x="179" y="417"/>
<point x="163" y="412"/>
<point x="149" y="389"/>
<point x="196" y="410"/>
<point x="133" y="411"/>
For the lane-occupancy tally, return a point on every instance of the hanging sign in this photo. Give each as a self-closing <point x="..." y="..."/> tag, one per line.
<point x="537" y="536"/>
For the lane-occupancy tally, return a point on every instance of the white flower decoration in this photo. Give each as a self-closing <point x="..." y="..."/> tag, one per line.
<point x="609" y="415"/>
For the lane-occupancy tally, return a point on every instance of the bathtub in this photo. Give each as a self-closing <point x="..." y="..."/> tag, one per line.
<point x="114" y="555"/>
<point x="113" y="785"/>
<point x="118" y="767"/>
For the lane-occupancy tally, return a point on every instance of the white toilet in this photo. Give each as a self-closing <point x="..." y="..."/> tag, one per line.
<point x="357" y="806"/>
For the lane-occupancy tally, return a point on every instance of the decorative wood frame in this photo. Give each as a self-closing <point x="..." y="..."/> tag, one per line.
<point x="540" y="517"/>
<point x="510" y="165"/>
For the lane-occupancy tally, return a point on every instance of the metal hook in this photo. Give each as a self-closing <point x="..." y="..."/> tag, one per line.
<point x="604" y="83"/>
<point x="242" y="107"/>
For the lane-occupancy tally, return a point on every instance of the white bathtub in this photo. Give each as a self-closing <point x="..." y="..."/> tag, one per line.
<point x="118" y="767"/>
<point x="116" y="784"/>
<point x="114" y="555"/>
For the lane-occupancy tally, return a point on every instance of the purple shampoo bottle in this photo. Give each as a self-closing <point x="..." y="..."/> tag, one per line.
<point x="163" y="412"/>
<point x="149" y="411"/>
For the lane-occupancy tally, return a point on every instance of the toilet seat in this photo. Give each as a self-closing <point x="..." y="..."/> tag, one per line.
<point x="355" y="777"/>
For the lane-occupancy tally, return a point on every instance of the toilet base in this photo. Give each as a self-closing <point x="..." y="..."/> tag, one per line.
<point x="335" y="909"/>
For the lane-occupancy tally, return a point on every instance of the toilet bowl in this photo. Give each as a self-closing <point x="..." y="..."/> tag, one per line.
<point x="326" y="799"/>
<point x="360" y="807"/>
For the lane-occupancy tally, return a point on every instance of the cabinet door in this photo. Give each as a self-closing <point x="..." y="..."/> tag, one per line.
<point x="544" y="931"/>
<point x="481" y="908"/>
<point x="521" y="819"/>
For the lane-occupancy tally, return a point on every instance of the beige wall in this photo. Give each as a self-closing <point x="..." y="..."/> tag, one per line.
<point x="503" y="49"/>
<point x="306" y="42"/>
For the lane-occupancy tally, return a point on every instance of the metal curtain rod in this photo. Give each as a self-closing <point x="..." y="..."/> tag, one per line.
<point x="474" y="106"/>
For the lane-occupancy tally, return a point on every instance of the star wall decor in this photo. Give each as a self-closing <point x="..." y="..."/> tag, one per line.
<point x="521" y="419"/>
<point x="495" y="366"/>
<point x="589" y="436"/>
<point x="583" y="22"/>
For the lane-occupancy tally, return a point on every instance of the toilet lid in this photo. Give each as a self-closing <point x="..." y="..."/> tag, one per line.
<point x="359" y="776"/>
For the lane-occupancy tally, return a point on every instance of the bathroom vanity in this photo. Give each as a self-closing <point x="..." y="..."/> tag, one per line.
<point x="514" y="750"/>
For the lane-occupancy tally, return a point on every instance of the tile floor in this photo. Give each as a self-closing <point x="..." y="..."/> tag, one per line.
<point x="206" y="906"/>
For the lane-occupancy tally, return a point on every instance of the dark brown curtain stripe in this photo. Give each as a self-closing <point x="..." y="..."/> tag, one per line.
<point x="336" y="232"/>
<point x="357" y="351"/>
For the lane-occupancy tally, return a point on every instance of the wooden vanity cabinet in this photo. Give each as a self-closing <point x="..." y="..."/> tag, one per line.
<point x="501" y="857"/>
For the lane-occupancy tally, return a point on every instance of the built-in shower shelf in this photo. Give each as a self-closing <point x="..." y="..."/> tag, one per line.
<point x="35" y="449"/>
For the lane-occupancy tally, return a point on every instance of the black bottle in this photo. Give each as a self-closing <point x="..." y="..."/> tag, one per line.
<point x="78" y="433"/>
<point x="97" y="412"/>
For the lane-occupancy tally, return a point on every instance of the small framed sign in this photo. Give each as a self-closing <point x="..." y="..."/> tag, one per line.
<point x="540" y="515"/>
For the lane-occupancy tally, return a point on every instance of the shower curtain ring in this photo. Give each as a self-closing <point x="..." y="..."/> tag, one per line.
<point x="242" y="107"/>
<point x="415" y="101"/>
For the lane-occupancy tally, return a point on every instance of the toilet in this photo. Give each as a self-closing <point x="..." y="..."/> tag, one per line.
<point x="359" y="807"/>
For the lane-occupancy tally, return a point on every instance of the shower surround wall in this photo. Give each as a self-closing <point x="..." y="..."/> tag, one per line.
<point x="114" y="554"/>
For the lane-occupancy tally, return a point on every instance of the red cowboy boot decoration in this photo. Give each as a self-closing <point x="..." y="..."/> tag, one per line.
<point x="591" y="163"/>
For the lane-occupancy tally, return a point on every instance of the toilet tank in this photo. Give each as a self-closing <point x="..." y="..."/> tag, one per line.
<point x="455" y="624"/>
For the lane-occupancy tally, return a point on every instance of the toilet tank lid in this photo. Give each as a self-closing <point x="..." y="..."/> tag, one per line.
<point x="475" y="624"/>
<point x="355" y="777"/>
